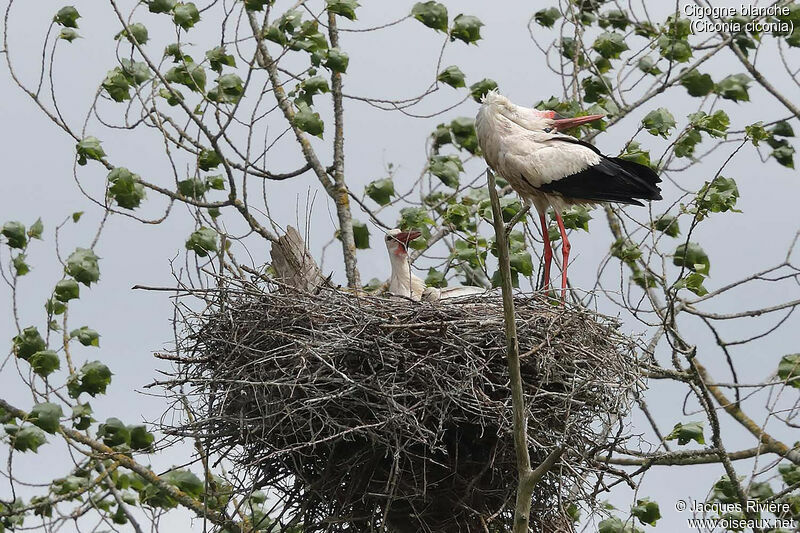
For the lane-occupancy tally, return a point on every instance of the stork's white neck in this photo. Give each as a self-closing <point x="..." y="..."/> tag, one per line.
<point x="402" y="281"/>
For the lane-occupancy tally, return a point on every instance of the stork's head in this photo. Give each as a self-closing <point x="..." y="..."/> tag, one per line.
<point x="532" y="119"/>
<point x="397" y="241"/>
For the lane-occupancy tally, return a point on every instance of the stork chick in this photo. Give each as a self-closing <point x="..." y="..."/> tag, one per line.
<point x="403" y="282"/>
<point x="551" y="169"/>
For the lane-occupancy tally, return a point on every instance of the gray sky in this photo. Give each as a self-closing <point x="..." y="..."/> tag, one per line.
<point x="398" y="62"/>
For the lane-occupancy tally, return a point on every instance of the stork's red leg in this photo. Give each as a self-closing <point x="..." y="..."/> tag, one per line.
<point x="548" y="253"/>
<point x="565" y="247"/>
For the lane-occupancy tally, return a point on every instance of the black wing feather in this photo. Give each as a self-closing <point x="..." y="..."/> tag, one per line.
<point x="611" y="180"/>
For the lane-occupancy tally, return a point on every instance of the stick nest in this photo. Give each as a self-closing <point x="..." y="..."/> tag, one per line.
<point x="365" y="412"/>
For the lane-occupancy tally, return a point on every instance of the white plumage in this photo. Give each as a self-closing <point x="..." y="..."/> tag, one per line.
<point x="550" y="169"/>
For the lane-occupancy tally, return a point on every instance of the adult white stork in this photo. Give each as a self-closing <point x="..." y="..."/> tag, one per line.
<point x="551" y="169"/>
<point x="403" y="282"/>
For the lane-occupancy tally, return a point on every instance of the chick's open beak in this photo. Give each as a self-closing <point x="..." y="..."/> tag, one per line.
<point x="404" y="237"/>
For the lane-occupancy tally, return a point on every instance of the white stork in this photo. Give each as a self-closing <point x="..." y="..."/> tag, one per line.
<point x="403" y="282"/>
<point x="550" y="169"/>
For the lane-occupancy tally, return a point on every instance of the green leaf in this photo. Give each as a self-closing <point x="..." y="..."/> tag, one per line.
<point x="15" y="234"/>
<point x="446" y="168"/>
<point x="610" y="45"/>
<point x="479" y="89"/>
<point x="68" y="34"/>
<point x="615" y="525"/>
<point x="336" y="60"/>
<point x="54" y="307"/>
<point x="86" y="336"/>
<point x="82" y="265"/>
<point x="547" y="17"/>
<point x="307" y="120"/>
<point x="697" y="84"/>
<point x="36" y="229"/>
<point x="435" y="279"/>
<point x="643" y="278"/>
<point x="466" y="28"/>
<point x="81" y="416"/>
<point x="458" y="216"/>
<point x="464" y="134"/>
<point x="93" y="379"/>
<point x="343" y="8"/>
<point x="441" y="136"/>
<point x="202" y="241"/>
<point x="67" y="16"/>
<point x="89" y="148"/>
<point x="189" y="74"/>
<point x="715" y="125"/>
<point x="626" y="251"/>
<point x="28" y="343"/>
<point x="692" y="257"/>
<point x="215" y="182"/>
<point x="309" y="38"/>
<point x="186" y="15"/>
<point x="659" y="122"/>
<point x="117" y="85"/>
<point x="667" y="224"/>
<point x="790" y="473"/>
<point x="46" y="416"/>
<point x="595" y="87"/>
<point x="576" y="217"/>
<point x="782" y="129"/>
<point x="360" y="235"/>
<point x="208" y="159"/>
<point x="647" y="511"/>
<point x="114" y="433"/>
<point x="734" y="87"/>
<point x="136" y="32"/>
<point x="614" y="18"/>
<point x="20" y="266"/>
<point x="415" y="218"/>
<point x="29" y="438"/>
<point x="522" y="263"/>
<point x="683" y="433"/>
<point x="137" y="72"/>
<point x="452" y="76"/>
<point x="685" y="145"/>
<point x="756" y="132"/>
<point x="217" y="58"/>
<point x="66" y="290"/>
<point x="192" y="187"/>
<point x="256" y="5"/>
<point x="141" y="439"/>
<point x="432" y="14"/>
<point x="185" y="481"/>
<point x="161" y="6"/>
<point x="634" y="152"/>
<point x="789" y="369"/>
<point x="717" y="197"/>
<point x="126" y="188"/>
<point x="784" y="155"/>
<point x="311" y="87"/>
<point x="648" y="65"/>
<point x="677" y="50"/>
<point x="229" y="89"/>
<point x="171" y="95"/>
<point x="381" y="191"/>
<point x="45" y="362"/>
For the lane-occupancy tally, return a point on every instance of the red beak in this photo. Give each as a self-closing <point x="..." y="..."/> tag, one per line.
<point x="405" y="237"/>
<point x="567" y="123"/>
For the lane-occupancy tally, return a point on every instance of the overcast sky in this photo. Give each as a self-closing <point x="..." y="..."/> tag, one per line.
<point x="398" y="62"/>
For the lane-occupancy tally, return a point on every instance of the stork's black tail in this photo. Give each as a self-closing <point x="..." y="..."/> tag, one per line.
<point x="611" y="180"/>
